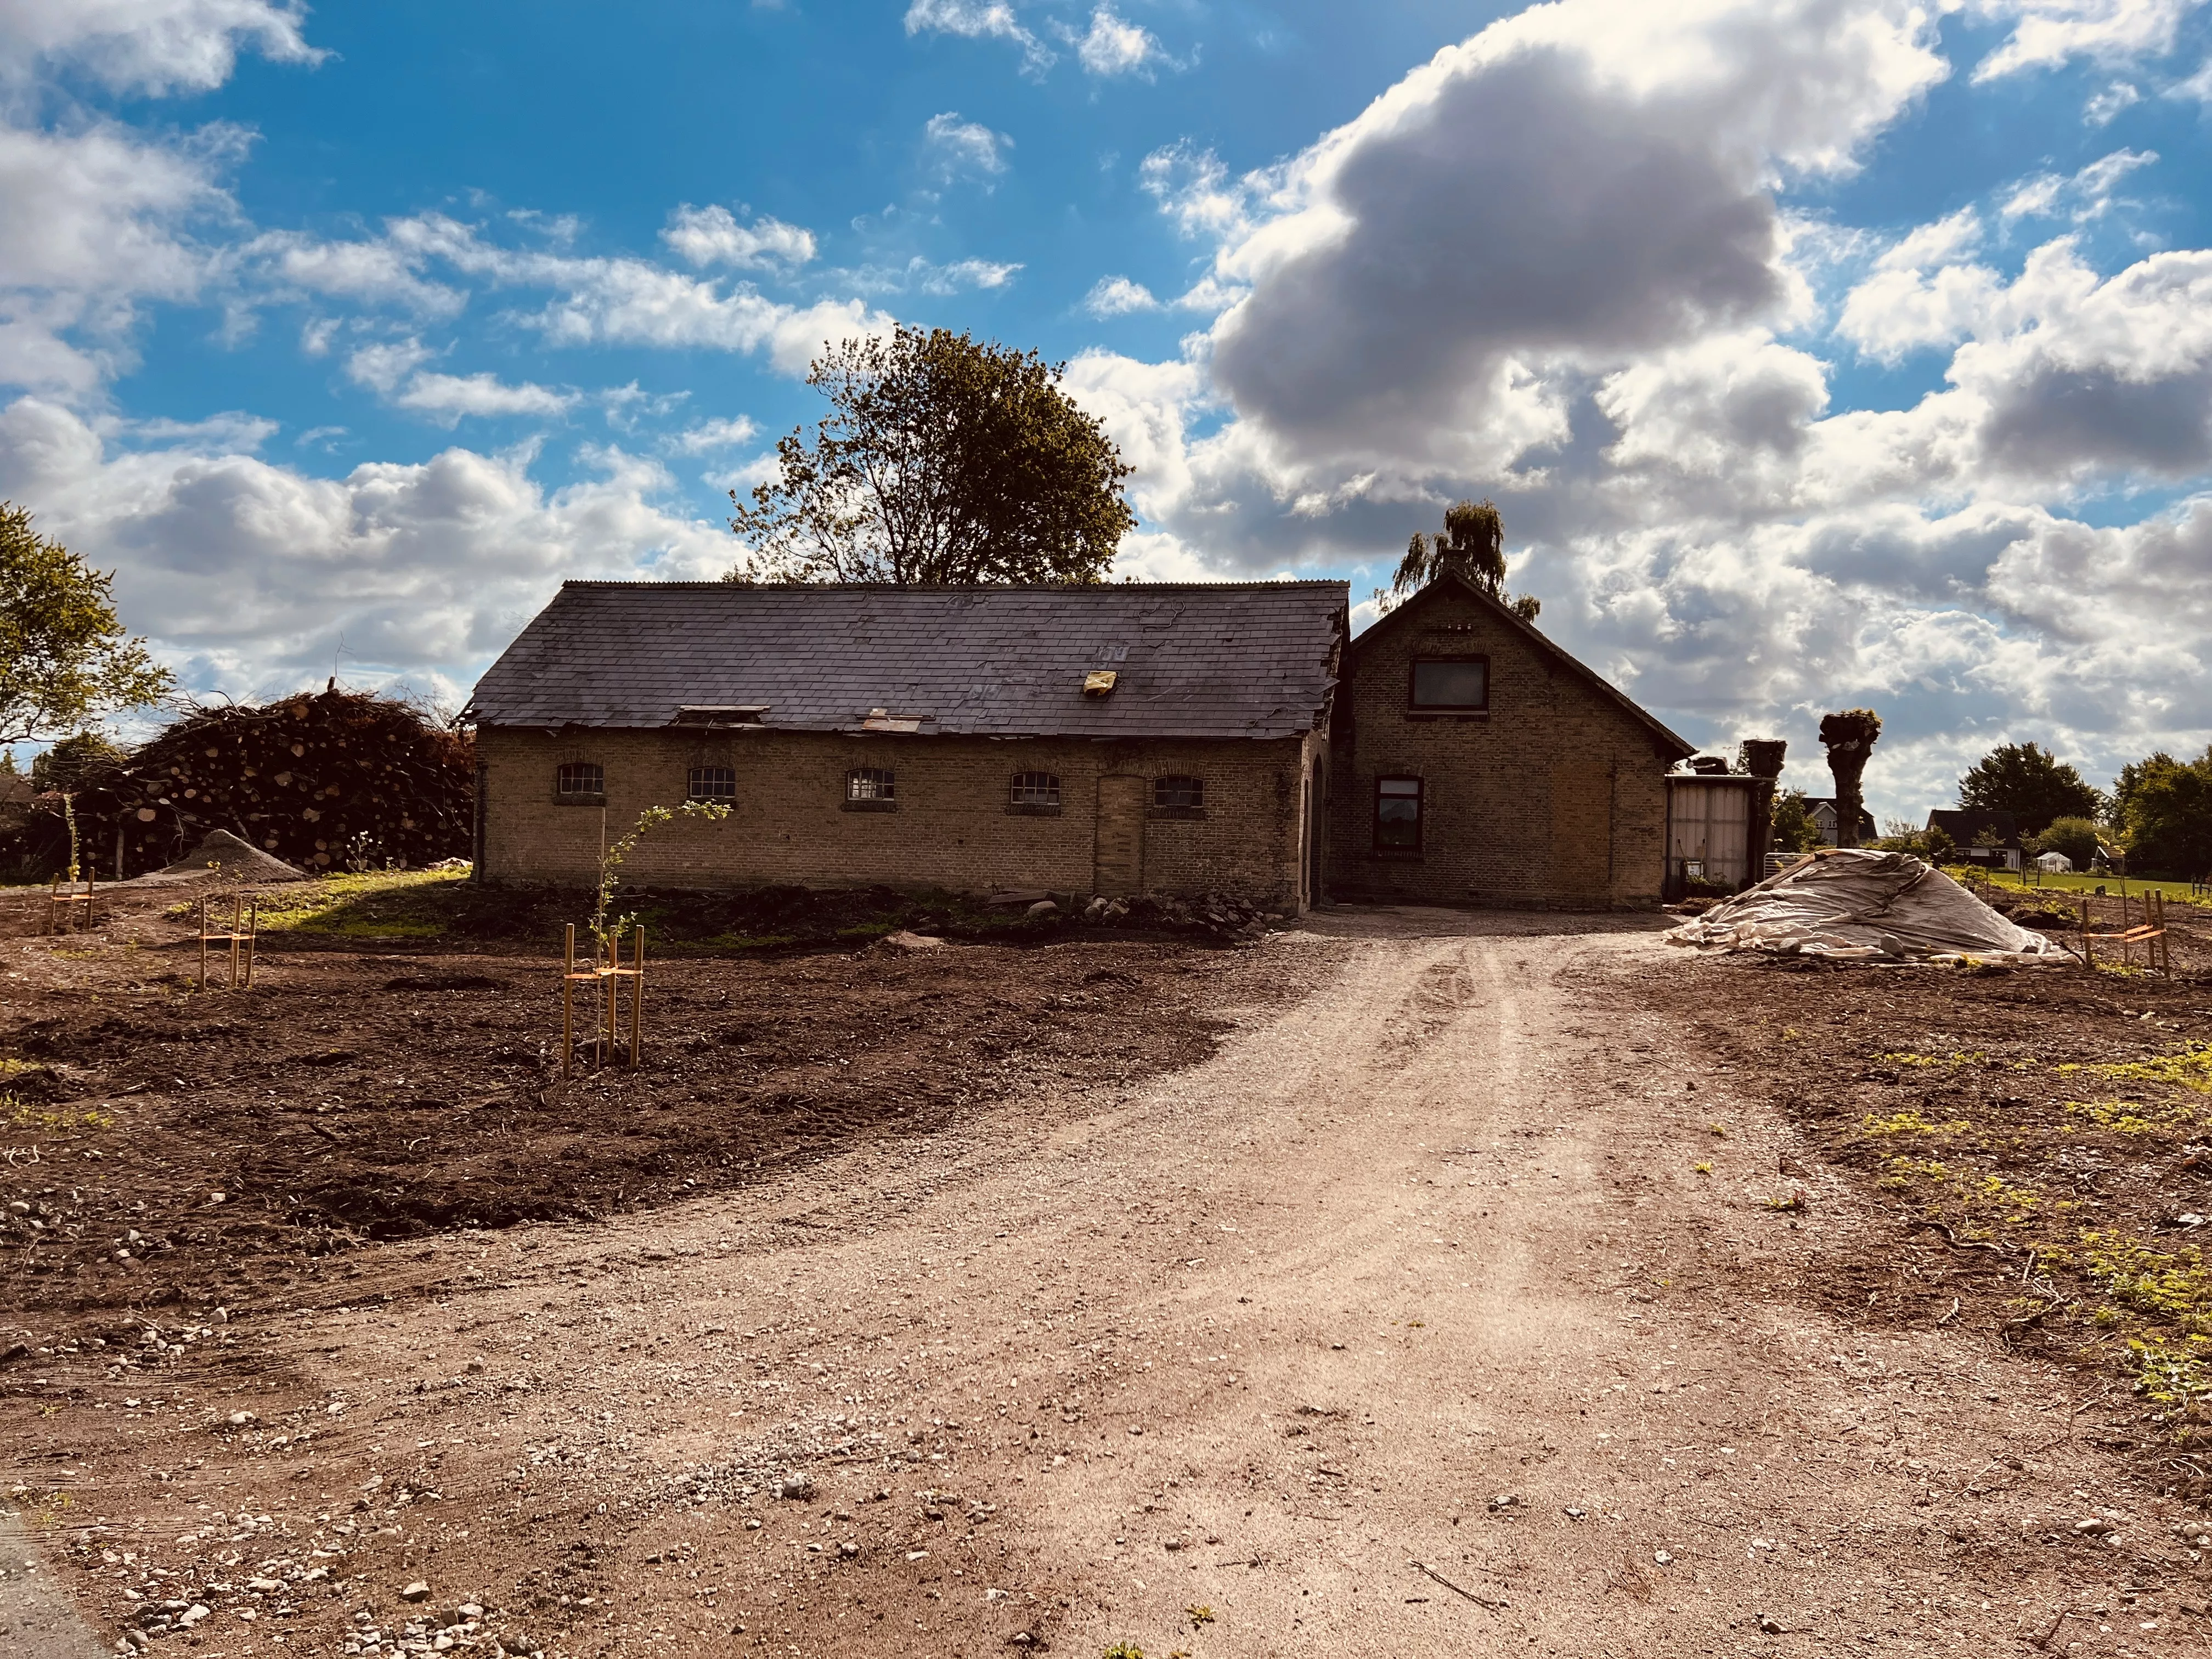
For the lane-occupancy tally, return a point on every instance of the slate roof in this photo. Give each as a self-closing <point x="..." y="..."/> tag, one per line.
<point x="1232" y="659"/>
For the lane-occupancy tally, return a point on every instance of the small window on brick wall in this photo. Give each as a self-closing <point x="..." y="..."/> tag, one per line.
<point x="1178" y="798"/>
<point x="871" y="789"/>
<point x="1035" y="794"/>
<point x="580" y="783"/>
<point x="1397" y="815"/>
<point x="712" y="783"/>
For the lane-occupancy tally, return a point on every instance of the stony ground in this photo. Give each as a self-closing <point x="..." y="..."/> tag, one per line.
<point x="1476" y="1294"/>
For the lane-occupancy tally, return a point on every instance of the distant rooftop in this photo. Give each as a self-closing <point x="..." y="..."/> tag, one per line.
<point x="1230" y="659"/>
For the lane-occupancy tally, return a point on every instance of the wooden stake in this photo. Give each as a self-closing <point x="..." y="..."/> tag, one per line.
<point x="569" y="1007"/>
<point x="203" y="942"/>
<point x="252" y="937"/>
<point x="637" y="997"/>
<point x="2088" y="950"/>
<point x="614" y="984"/>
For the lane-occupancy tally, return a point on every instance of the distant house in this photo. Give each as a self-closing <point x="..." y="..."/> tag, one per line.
<point x="1821" y="809"/>
<point x="1981" y="837"/>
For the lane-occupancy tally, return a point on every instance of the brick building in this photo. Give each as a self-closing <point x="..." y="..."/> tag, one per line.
<point x="1110" y="739"/>
<point x="1116" y="740"/>
<point x="1475" y="762"/>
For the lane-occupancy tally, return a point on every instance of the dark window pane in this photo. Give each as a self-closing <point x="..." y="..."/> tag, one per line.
<point x="1037" y="789"/>
<point x="712" y="783"/>
<point x="1178" y="792"/>
<point x="1451" y="685"/>
<point x="869" y="783"/>
<point x="580" y="778"/>
<point x="1398" y="813"/>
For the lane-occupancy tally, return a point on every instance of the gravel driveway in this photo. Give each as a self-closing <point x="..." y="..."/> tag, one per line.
<point x="1451" y="1311"/>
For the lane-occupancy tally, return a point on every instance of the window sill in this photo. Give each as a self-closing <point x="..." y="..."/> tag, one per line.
<point x="869" y="807"/>
<point x="1175" y="811"/>
<point x="580" y="800"/>
<point x="1477" y="714"/>
<point x="1397" y="854"/>
<point x="1024" y="809"/>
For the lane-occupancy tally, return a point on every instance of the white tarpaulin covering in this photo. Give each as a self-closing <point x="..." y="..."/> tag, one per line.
<point x="1856" y="903"/>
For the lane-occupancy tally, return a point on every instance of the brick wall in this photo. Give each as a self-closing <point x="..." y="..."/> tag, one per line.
<point x="951" y="828"/>
<point x="1554" y="797"/>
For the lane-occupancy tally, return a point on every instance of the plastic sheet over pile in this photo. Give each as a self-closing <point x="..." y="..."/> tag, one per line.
<point x="1865" y="906"/>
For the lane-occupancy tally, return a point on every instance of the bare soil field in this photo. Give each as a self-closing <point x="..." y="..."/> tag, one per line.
<point x="1407" y="1282"/>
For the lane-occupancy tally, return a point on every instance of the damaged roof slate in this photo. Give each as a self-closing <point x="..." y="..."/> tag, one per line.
<point x="1231" y="660"/>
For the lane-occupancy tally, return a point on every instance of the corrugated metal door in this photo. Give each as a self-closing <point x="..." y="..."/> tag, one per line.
<point x="1118" y="858"/>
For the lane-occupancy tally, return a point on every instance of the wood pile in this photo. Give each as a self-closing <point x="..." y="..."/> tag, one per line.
<point x="336" y="781"/>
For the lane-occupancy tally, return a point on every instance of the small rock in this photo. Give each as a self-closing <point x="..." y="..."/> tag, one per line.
<point x="240" y="1419"/>
<point x="1135" y="1429"/>
<point x="417" y="1591"/>
<point x="1770" y="1624"/>
<point x="849" y="1549"/>
<point x="1094" y="910"/>
<point x="1504" y="1500"/>
<point x="800" y="1487"/>
<point x="1043" y="908"/>
<point x="904" y="940"/>
<point x="1172" y="1544"/>
<point x="1662" y="1557"/>
<point x="193" y="1614"/>
<point x="264" y="1586"/>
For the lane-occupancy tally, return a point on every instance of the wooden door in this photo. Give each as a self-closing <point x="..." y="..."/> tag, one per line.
<point x="1118" y="855"/>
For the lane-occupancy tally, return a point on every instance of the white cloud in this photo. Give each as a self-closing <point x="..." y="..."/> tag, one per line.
<point x="2083" y="197"/>
<point x="150" y="45"/>
<point x="1904" y="306"/>
<point x="711" y="436"/>
<point x="1117" y="296"/>
<point x="922" y="276"/>
<point x="381" y="367"/>
<point x="2106" y="104"/>
<point x="1194" y="190"/>
<point x="1113" y="46"/>
<point x="93" y="223"/>
<point x="979" y="20"/>
<point x="288" y="264"/>
<point x="712" y="235"/>
<point x="248" y="575"/>
<point x="2052" y="33"/>
<point x="953" y="149"/>
<point x="447" y="397"/>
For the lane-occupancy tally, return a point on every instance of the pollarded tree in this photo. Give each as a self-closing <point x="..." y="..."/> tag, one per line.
<point x="65" y="659"/>
<point x="1472" y="544"/>
<point x="2036" y="787"/>
<point x="1850" y="737"/>
<point x="943" y="460"/>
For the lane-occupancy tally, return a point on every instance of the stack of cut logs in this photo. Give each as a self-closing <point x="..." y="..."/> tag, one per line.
<point x="341" y="780"/>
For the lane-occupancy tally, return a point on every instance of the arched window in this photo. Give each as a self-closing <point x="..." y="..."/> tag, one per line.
<point x="1178" y="798"/>
<point x="712" y="783"/>
<point x="871" y="789"/>
<point x="580" y="783"/>
<point x="1036" y="794"/>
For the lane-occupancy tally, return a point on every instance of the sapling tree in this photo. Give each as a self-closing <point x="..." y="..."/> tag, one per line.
<point x="608" y="929"/>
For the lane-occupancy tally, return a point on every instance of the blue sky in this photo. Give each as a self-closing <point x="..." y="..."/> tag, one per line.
<point x="1820" y="352"/>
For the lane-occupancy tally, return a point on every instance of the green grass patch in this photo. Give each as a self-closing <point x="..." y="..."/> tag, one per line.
<point x="63" y="1120"/>
<point x="375" y="904"/>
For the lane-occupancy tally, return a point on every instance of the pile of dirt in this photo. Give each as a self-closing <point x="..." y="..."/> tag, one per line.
<point x="223" y="854"/>
<point x="1856" y="904"/>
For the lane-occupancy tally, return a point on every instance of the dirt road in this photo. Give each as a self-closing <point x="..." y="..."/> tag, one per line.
<point x="1448" y="1312"/>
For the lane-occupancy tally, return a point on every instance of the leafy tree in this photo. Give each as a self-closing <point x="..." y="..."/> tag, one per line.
<point x="1850" y="737"/>
<point x="65" y="657"/>
<point x="2036" y="787"/>
<point x="943" y="460"/>
<point x="2166" y="816"/>
<point x="1794" y="829"/>
<point x="86" y="757"/>
<point x="1472" y="542"/>
<point x="2078" y="838"/>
